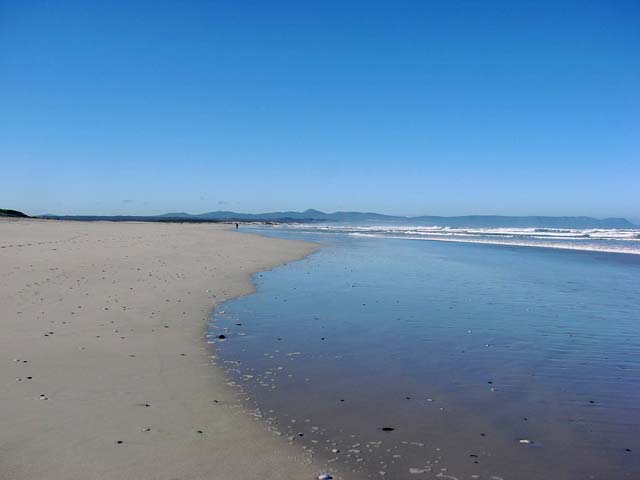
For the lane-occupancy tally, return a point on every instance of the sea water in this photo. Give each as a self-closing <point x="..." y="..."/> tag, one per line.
<point x="396" y="358"/>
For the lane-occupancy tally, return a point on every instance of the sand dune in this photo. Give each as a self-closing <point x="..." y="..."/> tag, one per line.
<point x="104" y="373"/>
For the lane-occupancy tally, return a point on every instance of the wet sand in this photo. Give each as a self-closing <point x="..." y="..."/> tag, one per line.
<point x="104" y="372"/>
<point x="401" y="359"/>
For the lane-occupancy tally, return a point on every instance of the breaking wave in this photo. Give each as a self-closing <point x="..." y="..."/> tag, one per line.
<point x="597" y="240"/>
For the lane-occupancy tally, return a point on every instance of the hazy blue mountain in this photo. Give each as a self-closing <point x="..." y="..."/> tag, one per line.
<point x="476" y="221"/>
<point x="226" y="215"/>
<point x="480" y="221"/>
<point x="473" y="221"/>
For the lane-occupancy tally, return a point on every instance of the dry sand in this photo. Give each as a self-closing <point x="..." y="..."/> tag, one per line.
<point x="101" y="338"/>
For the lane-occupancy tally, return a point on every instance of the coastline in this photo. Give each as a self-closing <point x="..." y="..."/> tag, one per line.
<point x="478" y="359"/>
<point x="105" y="371"/>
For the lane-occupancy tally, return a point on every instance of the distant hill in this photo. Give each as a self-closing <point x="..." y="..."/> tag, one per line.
<point x="470" y="221"/>
<point x="12" y="213"/>
<point x="475" y="221"/>
<point x="127" y="218"/>
<point x="307" y="215"/>
<point x="496" y="221"/>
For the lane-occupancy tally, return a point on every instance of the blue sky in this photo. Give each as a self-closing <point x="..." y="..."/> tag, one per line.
<point x="425" y="107"/>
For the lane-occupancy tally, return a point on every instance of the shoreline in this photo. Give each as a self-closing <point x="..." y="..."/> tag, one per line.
<point x="421" y="338"/>
<point x="105" y="373"/>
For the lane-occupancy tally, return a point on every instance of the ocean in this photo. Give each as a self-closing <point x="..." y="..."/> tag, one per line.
<point x="484" y="356"/>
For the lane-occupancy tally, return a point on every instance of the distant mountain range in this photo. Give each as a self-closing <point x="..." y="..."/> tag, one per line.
<point x="473" y="221"/>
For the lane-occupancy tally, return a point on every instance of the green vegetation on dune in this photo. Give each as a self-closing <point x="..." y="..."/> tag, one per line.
<point x="12" y="213"/>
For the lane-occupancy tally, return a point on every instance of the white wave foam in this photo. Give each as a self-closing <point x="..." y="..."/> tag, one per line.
<point x="516" y="243"/>
<point x="598" y="240"/>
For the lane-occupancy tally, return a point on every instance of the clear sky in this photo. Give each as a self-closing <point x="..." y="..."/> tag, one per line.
<point x="425" y="107"/>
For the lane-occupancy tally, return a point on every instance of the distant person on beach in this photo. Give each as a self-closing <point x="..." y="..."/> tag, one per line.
<point x="236" y="226"/>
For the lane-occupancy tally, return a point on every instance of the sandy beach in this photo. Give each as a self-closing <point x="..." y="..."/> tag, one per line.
<point x="104" y="369"/>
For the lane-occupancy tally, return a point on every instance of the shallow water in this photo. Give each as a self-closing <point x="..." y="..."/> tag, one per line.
<point x="487" y="361"/>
